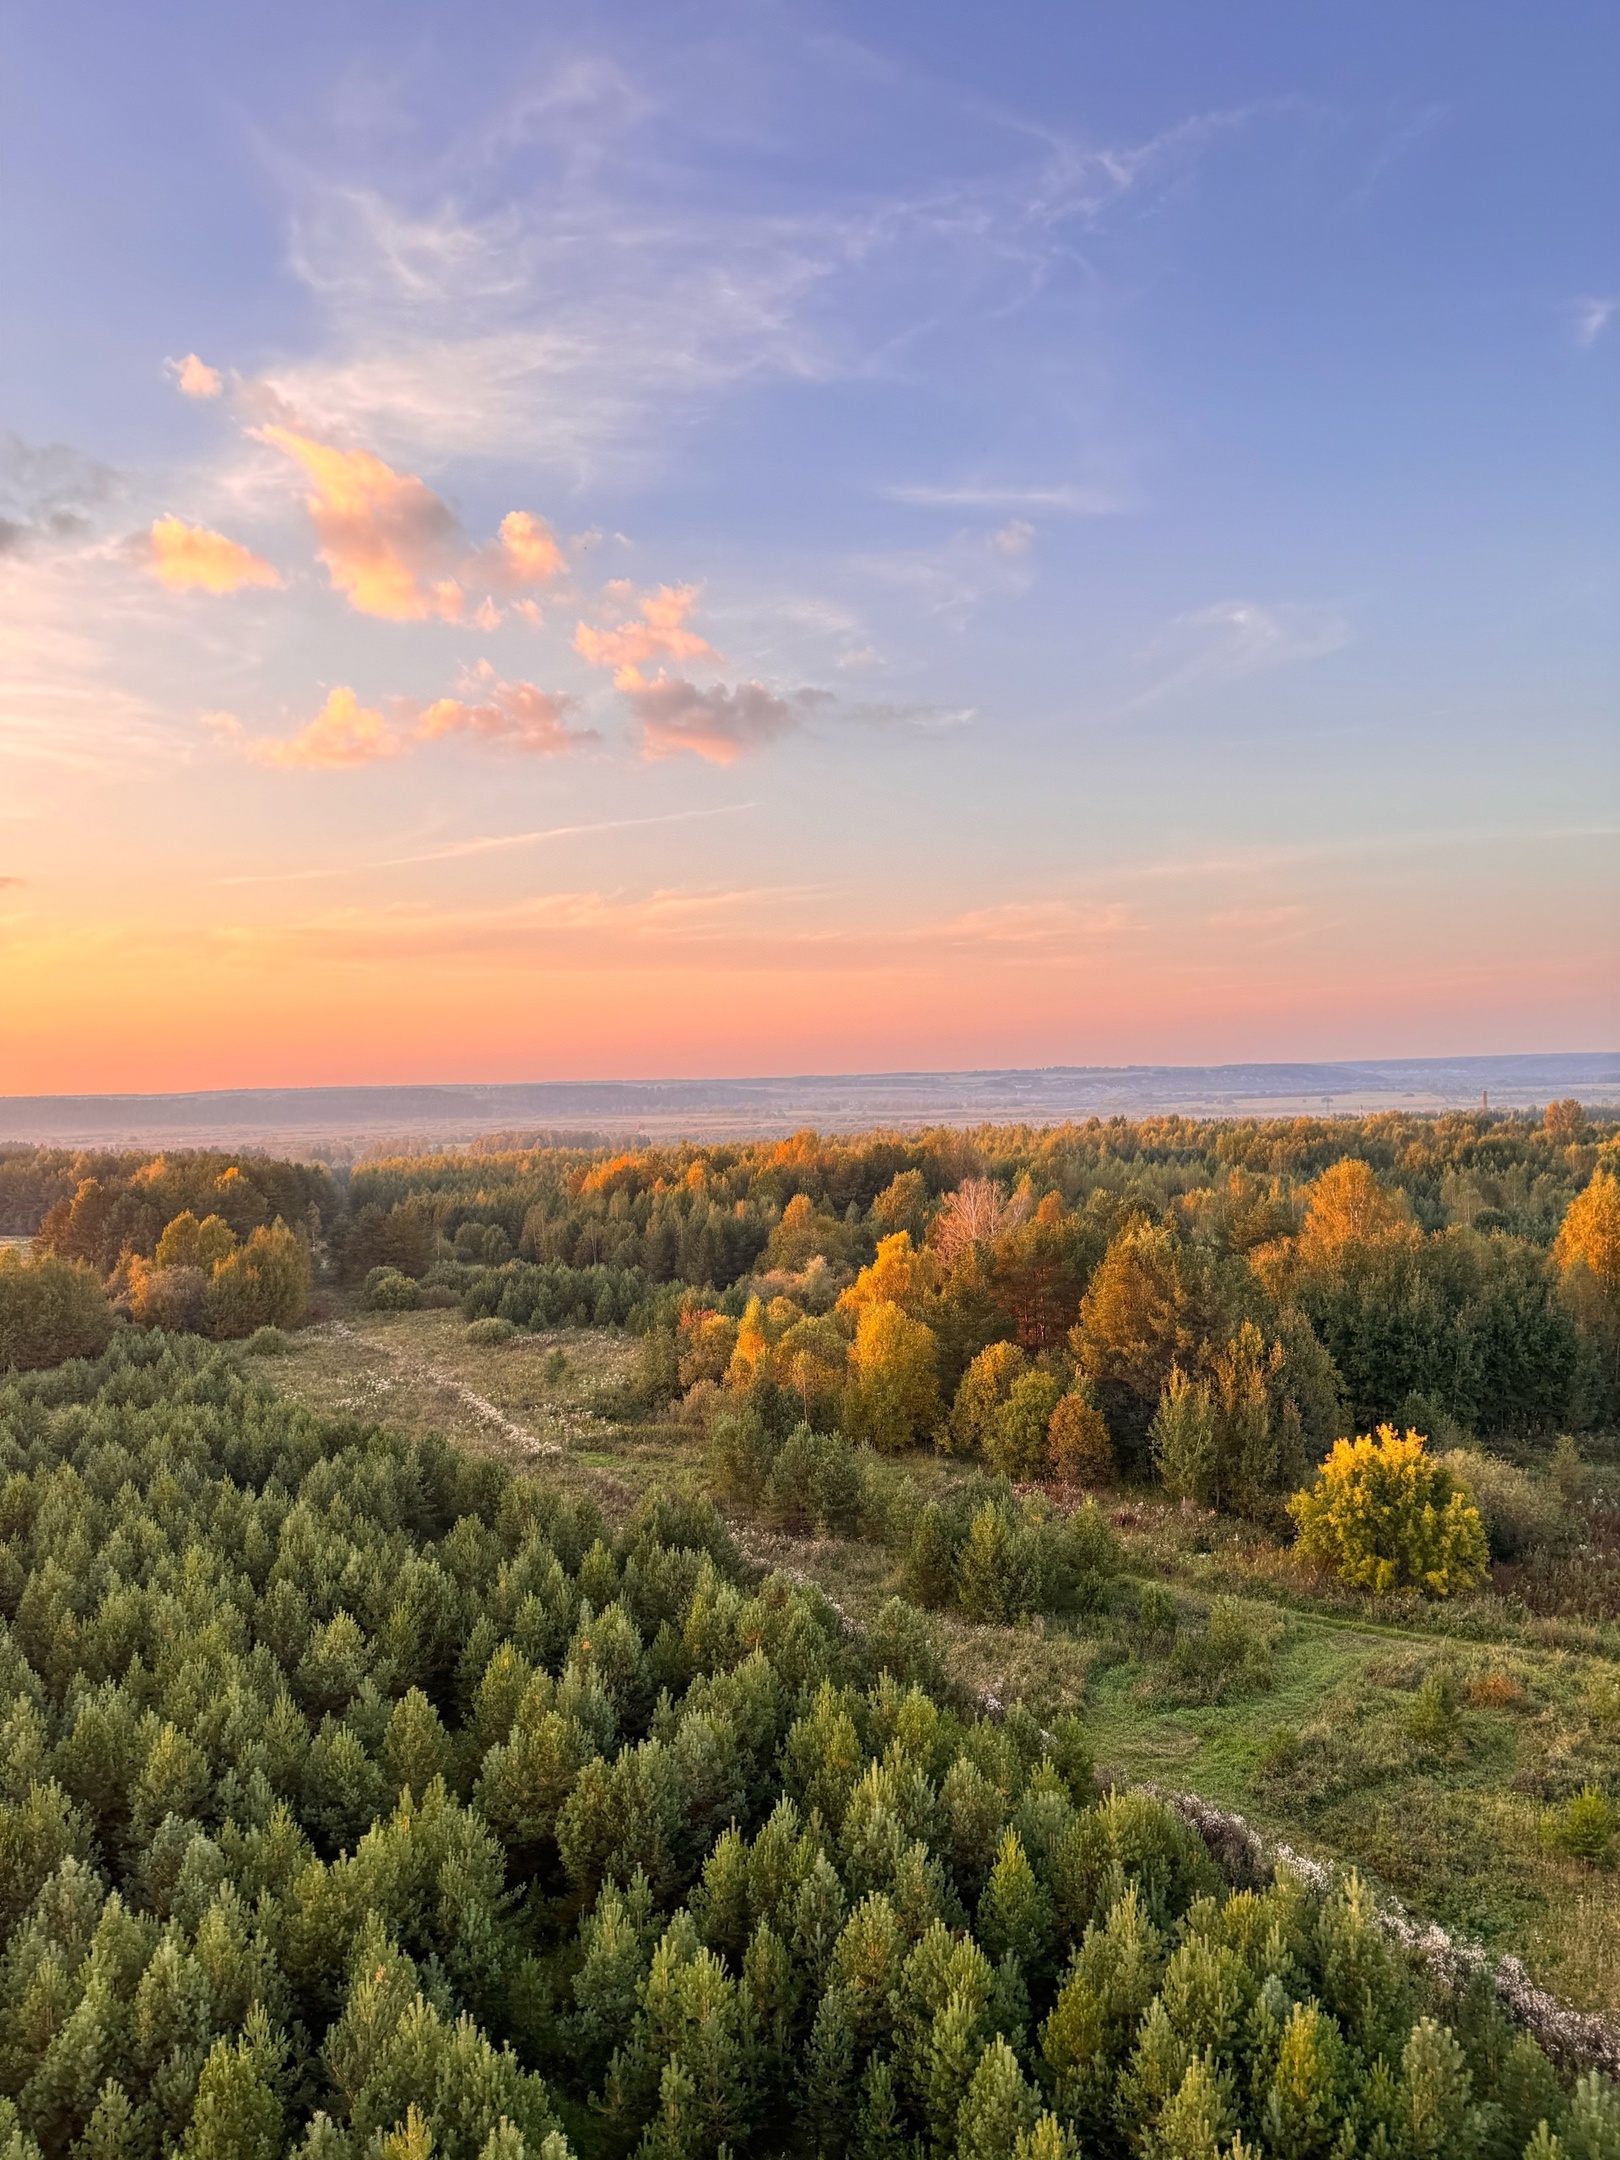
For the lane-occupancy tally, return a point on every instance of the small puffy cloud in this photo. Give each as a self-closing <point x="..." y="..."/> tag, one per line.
<point x="659" y="632"/>
<point x="395" y="550"/>
<point x="190" y="558"/>
<point x="717" y="724"/>
<point x="1013" y="539"/>
<point x="46" y="491"/>
<point x="195" y="378"/>
<point x="512" y="716"/>
<point x="386" y="539"/>
<point x="528" y="550"/>
<point x="343" y="733"/>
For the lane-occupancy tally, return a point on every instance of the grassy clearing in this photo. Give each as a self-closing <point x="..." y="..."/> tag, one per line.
<point x="1425" y="1756"/>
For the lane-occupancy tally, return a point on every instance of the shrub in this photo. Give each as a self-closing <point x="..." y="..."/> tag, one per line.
<point x="168" y="1297"/>
<point x="815" y="1483"/>
<point x="1080" y="1553"/>
<point x="1584" y="1826"/>
<point x="264" y="1283"/>
<point x="1233" y="1655"/>
<point x="900" y="1642"/>
<point x="387" y="1290"/>
<point x="50" y="1310"/>
<point x="1518" y="1511"/>
<point x="1015" y="1441"/>
<point x="489" y="1334"/>
<point x="1570" y="1476"/>
<point x="1432" y="1719"/>
<point x="1155" y="1611"/>
<point x="1385" y="1515"/>
<point x="266" y="1342"/>
<point x="930" y="1572"/>
<point x="1078" y="1446"/>
<point x="998" y="1571"/>
<point x="742" y="1449"/>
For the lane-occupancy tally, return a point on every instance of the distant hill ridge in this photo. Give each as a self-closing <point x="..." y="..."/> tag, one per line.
<point x="579" y="1111"/>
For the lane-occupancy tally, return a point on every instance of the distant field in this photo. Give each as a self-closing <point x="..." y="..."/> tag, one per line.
<point x="572" y="1113"/>
<point x="1435" y="1790"/>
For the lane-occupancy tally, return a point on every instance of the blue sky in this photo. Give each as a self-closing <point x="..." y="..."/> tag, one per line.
<point x="1137" y="487"/>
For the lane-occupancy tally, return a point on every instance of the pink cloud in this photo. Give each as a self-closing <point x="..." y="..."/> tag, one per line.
<point x="527" y="551"/>
<point x="344" y="733"/>
<point x="190" y="558"/>
<point x="386" y="539"/>
<point x="515" y="716"/>
<point x="660" y="632"/>
<point x="717" y="724"/>
<point x="195" y="378"/>
<point x="394" y="549"/>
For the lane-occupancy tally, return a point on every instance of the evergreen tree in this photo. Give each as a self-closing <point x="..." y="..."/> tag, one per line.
<point x="1000" y="2107"/>
<point x="829" y="2075"/>
<point x="1015" y="1913"/>
<point x="930" y="1576"/>
<point x="1591" y="2129"/>
<point x="879" y="2126"/>
<point x="237" y="2115"/>
<point x="1197" y="2120"/>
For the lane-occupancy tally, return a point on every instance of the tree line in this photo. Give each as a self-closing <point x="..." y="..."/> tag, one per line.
<point x="1216" y="1302"/>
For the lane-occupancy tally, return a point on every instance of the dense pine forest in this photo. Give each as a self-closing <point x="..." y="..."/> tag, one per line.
<point x="366" y="1799"/>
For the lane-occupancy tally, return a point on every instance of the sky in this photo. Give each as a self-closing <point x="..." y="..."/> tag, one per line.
<point x="634" y="540"/>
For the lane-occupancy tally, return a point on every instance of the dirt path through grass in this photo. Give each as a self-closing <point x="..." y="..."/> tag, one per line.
<point x="1334" y="1757"/>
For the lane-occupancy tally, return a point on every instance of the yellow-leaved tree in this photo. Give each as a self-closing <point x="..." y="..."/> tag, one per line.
<point x="893" y="1396"/>
<point x="898" y="1275"/>
<point x="1588" y="1255"/>
<point x="1385" y="1515"/>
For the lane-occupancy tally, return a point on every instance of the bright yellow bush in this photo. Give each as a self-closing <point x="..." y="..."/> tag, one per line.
<point x="1384" y="1514"/>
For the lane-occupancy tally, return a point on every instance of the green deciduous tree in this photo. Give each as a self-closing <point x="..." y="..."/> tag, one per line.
<point x="50" y="1310"/>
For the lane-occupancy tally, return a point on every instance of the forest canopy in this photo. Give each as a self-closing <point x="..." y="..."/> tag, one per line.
<point x="358" y="1799"/>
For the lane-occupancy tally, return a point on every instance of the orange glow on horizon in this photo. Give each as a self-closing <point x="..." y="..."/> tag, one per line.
<point x="238" y="1010"/>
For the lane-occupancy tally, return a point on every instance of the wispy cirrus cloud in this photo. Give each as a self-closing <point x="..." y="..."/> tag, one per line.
<point x="482" y="844"/>
<point x="569" y="295"/>
<point x="1592" y="315"/>
<point x="1234" y="638"/>
<point x="191" y="558"/>
<point x="969" y="495"/>
<point x="775" y="930"/>
<point x="77" y="636"/>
